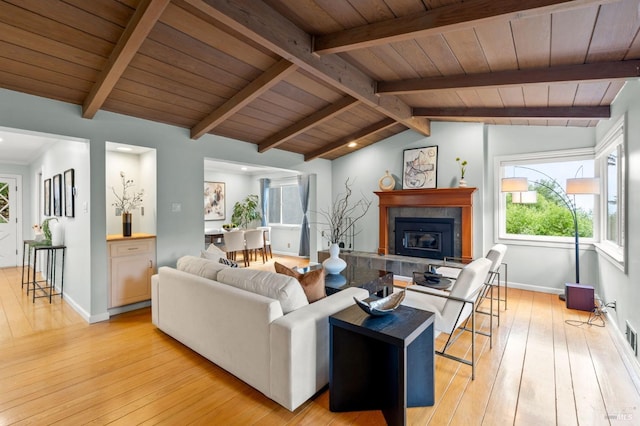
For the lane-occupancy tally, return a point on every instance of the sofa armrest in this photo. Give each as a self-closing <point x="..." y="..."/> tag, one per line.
<point x="154" y="299"/>
<point x="300" y="348"/>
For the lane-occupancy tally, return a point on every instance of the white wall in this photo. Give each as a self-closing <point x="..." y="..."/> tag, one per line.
<point x="61" y="156"/>
<point x="237" y="187"/>
<point x="366" y="166"/>
<point x="553" y="266"/>
<point x="180" y="171"/>
<point x="624" y="287"/>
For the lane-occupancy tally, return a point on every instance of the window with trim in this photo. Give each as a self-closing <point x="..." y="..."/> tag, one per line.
<point x="284" y="205"/>
<point x="545" y="213"/>
<point x="610" y="153"/>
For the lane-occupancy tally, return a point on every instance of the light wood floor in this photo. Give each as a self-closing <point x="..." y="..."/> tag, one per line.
<point x="56" y="369"/>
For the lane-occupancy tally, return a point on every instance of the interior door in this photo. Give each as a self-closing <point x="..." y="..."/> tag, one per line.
<point x="8" y="222"/>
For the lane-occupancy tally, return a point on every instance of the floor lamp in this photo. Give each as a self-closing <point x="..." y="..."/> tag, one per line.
<point x="519" y="187"/>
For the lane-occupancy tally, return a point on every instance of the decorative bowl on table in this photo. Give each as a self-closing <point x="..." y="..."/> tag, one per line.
<point x="382" y="306"/>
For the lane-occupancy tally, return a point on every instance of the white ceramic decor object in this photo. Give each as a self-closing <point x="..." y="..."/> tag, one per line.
<point x="334" y="264"/>
<point x="57" y="233"/>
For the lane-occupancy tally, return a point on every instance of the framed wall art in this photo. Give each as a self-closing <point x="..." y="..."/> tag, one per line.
<point x="57" y="195"/>
<point x="214" y="201"/>
<point x="420" y="167"/>
<point x="69" y="201"/>
<point x="47" y="197"/>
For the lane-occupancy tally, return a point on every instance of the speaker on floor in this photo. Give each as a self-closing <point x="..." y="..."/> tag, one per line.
<point x="579" y="296"/>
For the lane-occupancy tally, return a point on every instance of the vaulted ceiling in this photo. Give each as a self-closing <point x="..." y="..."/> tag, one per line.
<point x="310" y="76"/>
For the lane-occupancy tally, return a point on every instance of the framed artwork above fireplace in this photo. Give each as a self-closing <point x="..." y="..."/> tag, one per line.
<point x="420" y="167"/>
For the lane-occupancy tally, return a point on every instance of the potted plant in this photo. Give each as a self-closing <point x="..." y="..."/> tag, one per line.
<point x="246" y="211"/>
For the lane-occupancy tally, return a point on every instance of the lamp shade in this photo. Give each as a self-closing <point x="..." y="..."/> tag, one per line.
<point x="527" y="197"/>
<point x="514" y="184"/>
<point x="583" y="186"/>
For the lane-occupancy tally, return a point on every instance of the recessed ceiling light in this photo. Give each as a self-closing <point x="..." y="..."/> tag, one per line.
<point x="352" y="145"/>
<point x="124" y="148"/>
<point x="1" y="139"/>
<point x="243" y="168"/>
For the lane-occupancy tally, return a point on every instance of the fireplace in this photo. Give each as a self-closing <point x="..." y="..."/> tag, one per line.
<point x="424" y="237"/>
<point x="460" y="199"/>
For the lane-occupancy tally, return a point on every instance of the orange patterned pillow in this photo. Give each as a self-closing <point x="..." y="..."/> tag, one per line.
<point x="312" y="282"/>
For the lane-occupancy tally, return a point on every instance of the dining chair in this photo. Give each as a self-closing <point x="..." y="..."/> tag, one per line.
<point x="234" y="243"/>
<point x="267" y="240"/>
<point x="254" y="242"/>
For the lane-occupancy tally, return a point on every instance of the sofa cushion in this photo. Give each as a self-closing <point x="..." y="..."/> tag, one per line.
<point x="198" y="266"/>
<point x="286" y="290"/>
<point x="312" y="282"/>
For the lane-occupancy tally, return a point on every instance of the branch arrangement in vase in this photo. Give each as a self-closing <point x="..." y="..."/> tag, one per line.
<point x="125" y="201"/>
<point x="344" y="214"/>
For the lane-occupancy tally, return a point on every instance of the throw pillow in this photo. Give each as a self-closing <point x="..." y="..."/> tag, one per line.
<point x="228" y="262"/>
<point x="312" y="282"/>
<point x="199" y="266"/>
<point x="217" y="250"/>
<point x="284" y="289"/>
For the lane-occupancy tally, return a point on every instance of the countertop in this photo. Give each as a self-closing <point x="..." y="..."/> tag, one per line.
<point x="134" y="236"/>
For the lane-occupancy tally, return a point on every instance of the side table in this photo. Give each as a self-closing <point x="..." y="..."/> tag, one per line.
<point x="46" y="286"/>
<point x="381" y="362"/>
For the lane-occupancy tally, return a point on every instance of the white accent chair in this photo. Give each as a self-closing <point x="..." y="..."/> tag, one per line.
<point x="254" y="242"/>
<point x="234" y="244"/>
<point x="454" y="308"/>
<point x="496" y="256"/>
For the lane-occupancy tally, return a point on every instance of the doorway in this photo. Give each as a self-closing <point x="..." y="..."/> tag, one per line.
<point x="10" y="220"/>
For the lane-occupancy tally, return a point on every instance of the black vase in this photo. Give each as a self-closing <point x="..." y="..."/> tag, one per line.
<point x="126" y="224"/>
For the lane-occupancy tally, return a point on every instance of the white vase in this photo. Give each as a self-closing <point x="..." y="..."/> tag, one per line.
<point x="57" y="233"/>
<point x="334" y="264"/>
<point x="462" y="183"/>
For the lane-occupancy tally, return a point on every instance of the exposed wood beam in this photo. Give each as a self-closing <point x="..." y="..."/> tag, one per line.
<point x="260" y="23"/>
<point x="576" y="112"/>
<point x="257" y="87"/>
<point x="306" y="123"/>
<point x="138" y="28"/>
<point x="448" y="18"/>
<point x="367" y="131"/>
<point x="559" y="74"/>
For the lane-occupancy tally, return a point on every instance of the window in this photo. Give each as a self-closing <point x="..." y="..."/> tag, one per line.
<point x="284" y="205"/>
<point x="611" y="156"/>
<point x="547" y="213"/>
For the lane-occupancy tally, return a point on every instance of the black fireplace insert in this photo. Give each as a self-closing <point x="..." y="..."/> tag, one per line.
<point x="424" y="237"/>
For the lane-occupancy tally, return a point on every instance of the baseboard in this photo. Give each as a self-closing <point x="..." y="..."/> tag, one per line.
<point x="629" y="359"/>
<point x="129" y="308"/>
<point x="84" y="314"/>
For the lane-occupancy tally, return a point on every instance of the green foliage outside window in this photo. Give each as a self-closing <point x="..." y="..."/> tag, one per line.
<point x="548" y="217"/>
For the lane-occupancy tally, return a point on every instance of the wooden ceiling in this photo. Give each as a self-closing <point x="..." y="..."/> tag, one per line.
<point x="309" y="76"/>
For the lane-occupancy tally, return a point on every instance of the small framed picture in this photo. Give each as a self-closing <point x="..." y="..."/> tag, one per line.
<point x="47" y="197"/>
<point x="57" y="195"/>
<point x="69" y="192"/>
<point x="214" y="201"/>
<point x="420" y="167"/>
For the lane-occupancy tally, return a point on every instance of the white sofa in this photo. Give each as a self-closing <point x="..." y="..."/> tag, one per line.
<point x="284" y="355"/>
